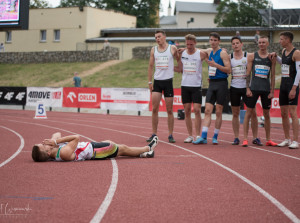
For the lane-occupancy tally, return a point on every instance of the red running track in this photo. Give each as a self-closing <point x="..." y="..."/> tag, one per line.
<point x="183" y="183"/>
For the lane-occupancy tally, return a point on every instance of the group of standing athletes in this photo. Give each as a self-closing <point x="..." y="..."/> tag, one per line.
<point x="253" y="76"/>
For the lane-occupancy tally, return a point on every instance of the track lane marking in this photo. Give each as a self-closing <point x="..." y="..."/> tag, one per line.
<point x="268" y="196"/>
<point x="19" y="149"/>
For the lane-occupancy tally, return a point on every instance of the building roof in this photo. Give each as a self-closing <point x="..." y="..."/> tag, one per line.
<point x="281" y="16"/>
<point x="195" y="7"/>
<point x="167" y="20"/>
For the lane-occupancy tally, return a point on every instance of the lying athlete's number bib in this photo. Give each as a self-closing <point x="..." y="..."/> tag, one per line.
<point x="262" y="71"/>
<point x="239" y="72"/>
<point x="285" y="70"/>
<point x="162" y="62"/>
<point x="190" y="68"/>
<point x="212" y="71"/>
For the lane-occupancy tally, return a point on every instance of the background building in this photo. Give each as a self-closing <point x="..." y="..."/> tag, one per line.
<point x="63" y="29"/>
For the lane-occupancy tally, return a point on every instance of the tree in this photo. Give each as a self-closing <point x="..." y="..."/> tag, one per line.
<point x="72" y="3"/>
<point x="145" y="10"/>
<point x="37" y="4"/>
<point x="240" y="13"/>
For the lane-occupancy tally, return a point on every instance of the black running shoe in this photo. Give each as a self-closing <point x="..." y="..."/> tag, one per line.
<point x="151" y="138"/>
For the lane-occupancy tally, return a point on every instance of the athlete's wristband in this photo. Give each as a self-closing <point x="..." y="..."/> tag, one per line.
<point x="149" y="82"/>
<point x="55" y="142"/>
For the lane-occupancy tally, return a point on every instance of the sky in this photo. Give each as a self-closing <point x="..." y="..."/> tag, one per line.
<point x="277" y="4"/>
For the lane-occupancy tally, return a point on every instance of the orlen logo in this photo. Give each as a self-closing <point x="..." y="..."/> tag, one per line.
<point x="87" y="97"/>
<point x="275" y="103"/>
<point x="177" y="100"/>
<point x="71" y="95"/>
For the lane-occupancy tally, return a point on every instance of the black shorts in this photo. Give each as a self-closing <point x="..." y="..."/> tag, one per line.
<point x="104" y="150"/>
<point x="165" y="86"/>
<point x="265" y="101"/>
<point x="284" y="97"/>
<point x="236" y="94"/>
<point x="191" y="94"/>
<point x="217" y="91"/>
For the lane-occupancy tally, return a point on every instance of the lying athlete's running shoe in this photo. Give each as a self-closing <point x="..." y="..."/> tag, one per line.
<point x="149" y="154"/>
<point x="153" y="143"/>
<point x="151" y="138"/>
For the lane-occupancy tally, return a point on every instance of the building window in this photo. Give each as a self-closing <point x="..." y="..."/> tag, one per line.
<point x="8" y="36"/>
<point x="57" y="35"/>
<point x="43" y="35"/>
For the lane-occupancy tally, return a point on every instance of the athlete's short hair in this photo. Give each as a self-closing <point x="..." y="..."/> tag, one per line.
<point x="38" y="155"/>
<point x="160" y="31"/>
<point x="190" y="37"/>
<point x="215" y="34"/>
<point x="287" y="34"/>
<point x="264" y="37"/>
<point x="236" y="37"/>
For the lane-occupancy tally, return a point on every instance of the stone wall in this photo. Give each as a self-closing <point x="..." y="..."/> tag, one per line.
<point x="144" y="52"/>
<point x="59" y="56"/>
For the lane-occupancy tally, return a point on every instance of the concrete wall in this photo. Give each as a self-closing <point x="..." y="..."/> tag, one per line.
<point x="201" y="20"/>
<point x="144" y="52"/>
<point x="59" y="56"/>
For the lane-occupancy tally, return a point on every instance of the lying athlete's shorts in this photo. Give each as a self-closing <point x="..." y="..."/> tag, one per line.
<point x="165" y="86"/>
<point x="104" y="150"/>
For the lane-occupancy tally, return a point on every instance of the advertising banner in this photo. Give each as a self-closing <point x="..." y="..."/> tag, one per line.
<point x="275" y="108"/>
<point x="133" y="99"/>
<point x="78" y="97"/>
<point x="51" y="97"/>
<point x="13" y="95"/>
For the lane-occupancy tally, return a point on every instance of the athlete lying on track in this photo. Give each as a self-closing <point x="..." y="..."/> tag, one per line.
<point x="69" y="148"/>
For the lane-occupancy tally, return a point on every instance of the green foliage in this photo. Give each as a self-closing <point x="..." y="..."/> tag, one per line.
<point x="38" y="4"/>
<point x="72" y="3"/>
<point x="240" y="13"/>
<point x="144" y="10"/>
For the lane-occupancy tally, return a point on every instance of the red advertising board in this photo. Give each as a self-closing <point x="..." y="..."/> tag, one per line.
<point x="81" y="97"/>
<point x="275" y="108"/>
<point x="177" y="103"/>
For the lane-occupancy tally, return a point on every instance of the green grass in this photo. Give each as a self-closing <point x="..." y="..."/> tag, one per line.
<point x="132" y="74"/>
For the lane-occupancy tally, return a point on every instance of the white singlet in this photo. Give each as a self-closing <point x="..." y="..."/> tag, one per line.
<point x="84" y="151"/>
<point x="192" y="69"/>
<point x="238" y="71"/>
<point x="164" y="64"/>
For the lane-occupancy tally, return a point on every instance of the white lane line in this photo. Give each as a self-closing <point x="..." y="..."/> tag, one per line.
<point x="18" y="151"/>
<point x="109" y="196"/>
<point x="253" y="147"/>
<point x="273" y="200"/>
<point x="114" y="181"/>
